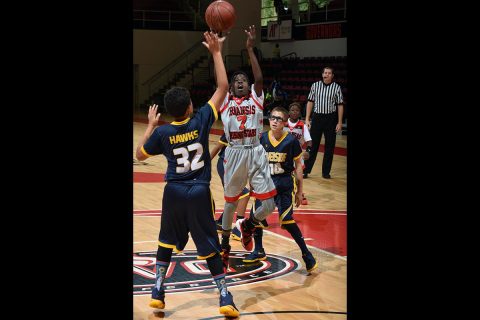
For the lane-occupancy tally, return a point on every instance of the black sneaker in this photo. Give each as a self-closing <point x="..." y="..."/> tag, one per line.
<point x="310" y="262"/>
<point x="256" y="255"/>
<point x="326" y="176"/>
<point x="227" y="307"/>
<point x="158" y="299"/>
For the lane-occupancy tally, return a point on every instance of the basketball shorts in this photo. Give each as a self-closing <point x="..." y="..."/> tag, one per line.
<point x="221" y="173"/>
<point x="247" y="164"/>
<point x="189" y="208"/>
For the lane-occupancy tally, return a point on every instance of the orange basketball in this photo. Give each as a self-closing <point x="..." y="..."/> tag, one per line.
<point x="220" y="16"/>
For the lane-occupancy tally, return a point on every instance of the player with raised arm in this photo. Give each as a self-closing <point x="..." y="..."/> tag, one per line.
<point x="187" y="205"/>
<point x="245" y="159"/>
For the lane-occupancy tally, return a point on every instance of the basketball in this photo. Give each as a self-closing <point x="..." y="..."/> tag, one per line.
<point x="220" y="16"/>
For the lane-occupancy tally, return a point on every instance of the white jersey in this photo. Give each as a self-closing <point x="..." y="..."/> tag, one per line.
<point x="243" y="118"/>
<point x="299" y="130"/>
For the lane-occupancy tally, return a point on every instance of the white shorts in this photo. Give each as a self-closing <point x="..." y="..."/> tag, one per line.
<point x="247" y="164"/>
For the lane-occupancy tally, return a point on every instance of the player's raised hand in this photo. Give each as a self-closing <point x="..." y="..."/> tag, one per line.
<point x="250" y="36"/>
<point x="153" y="116"/>
<point x="213" y="42"/>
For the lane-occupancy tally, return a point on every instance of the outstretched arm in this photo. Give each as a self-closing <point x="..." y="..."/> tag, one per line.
<point x="257" y="72"/>
<point x="153" y="118"/>
<point x="214" y="45"/>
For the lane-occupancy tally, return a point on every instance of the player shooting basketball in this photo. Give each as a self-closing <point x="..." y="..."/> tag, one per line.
<point x="245" y="159"/>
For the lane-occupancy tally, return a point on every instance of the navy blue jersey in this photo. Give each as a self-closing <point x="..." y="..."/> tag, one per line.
<point x="185" y="145"/>
<point x="281" y="158"/>
<point x="281" y="155"/>
<point x="223" y="140"/>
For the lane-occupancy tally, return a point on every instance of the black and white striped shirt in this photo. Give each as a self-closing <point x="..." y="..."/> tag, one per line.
<point x="325" y="97"/>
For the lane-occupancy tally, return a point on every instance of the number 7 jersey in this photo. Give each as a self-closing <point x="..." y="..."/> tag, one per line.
<point x="243" y="118"/>
<point x="185" y="145"/>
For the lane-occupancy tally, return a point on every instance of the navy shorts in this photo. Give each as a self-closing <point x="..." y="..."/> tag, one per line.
<point x="284" y="200"/>
<point x="189" y="208"/>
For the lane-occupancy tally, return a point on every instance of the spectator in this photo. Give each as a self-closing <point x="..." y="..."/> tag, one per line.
<point x="280" y="9"/>
<point x="276" y="51"/>
<point x="279" y="95"/>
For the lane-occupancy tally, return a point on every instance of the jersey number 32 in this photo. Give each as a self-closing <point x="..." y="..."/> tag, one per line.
<point x="185" y="162"/>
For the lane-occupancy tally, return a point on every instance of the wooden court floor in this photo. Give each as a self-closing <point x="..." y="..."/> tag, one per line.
<point x="291" y="295"/>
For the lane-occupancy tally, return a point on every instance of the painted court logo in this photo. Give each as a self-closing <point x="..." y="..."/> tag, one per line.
<point x="186" y="273"/>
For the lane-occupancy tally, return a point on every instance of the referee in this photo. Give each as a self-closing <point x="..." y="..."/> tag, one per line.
<point x="327" y="97"/>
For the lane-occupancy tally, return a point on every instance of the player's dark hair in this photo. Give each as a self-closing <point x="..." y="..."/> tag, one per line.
<point x="236" y="73"/>
<point x="176" y="101"/>
<point x="282" y="110"/>
<point x="295" y="104"/>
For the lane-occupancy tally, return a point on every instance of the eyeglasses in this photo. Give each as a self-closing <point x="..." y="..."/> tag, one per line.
<point x="273" y="118"/>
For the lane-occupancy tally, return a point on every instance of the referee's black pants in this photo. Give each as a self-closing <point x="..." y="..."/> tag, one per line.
<point x="322" y="124"/>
